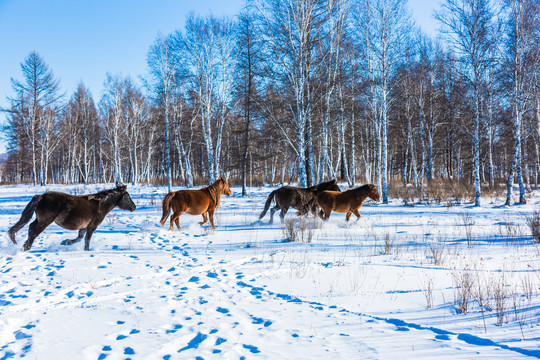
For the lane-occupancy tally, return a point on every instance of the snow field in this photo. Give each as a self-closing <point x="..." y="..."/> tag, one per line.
<point x="387" y="286"/>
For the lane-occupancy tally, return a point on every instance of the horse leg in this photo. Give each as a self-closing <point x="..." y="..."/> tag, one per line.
<point x="205" y="218"/>
<point x="89" y="232"/>
<point x="355" y="212"/>
<point x="177" y="222"/>
<point x="283" y="212"/>
<point x="35" y="228"/>
<point x="348" y="216"/>
<point x="211" y="216"/>
<point x="73" y="241"/>
<point x="325" y="214"/>
<point x="174" y="218"/>
<point x="272" y="212"/>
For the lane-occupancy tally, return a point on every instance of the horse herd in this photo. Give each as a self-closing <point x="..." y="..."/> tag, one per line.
<point x="85" y="213"/>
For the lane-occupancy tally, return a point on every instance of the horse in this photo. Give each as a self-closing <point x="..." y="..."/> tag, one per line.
<point x="194" y="202"/>
<point x="345" y="202"/>
<point x="301" y="199"/>
<point x="84" y="213"/>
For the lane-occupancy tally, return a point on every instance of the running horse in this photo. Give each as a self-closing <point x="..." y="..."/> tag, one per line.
<point x="194" y="202"/>
<point x="84" y="213"/>
<point x="301" y="199"/>
<point x="345" y="202"/>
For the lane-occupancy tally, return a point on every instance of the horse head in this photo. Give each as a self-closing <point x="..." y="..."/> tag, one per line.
<point x="333" y="186"/>
<point x="225" y="189"/>
<point x="373" y="192"/>
<point x="124" y="202"/>
<point x="328" y="185"/>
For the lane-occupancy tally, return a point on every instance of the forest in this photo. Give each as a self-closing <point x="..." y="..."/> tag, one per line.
<point x="300" y="91"/>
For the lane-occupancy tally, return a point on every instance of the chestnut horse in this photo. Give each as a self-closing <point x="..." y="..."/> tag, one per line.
<point x="194" y="202"/>
<point x="345" y="202"/>
<point x="301" y="199"/>
<point x="83" y="213"/>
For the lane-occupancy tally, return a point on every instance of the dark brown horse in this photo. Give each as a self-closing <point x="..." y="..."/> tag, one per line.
<point x="194" y="202"/>
<point x="345" y="202"/>
<point x="83" y="213"/>
<point x="301" y="199"/>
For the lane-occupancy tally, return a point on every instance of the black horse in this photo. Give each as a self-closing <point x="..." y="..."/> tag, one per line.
<point x="301" y="199"/>
<point x="83" y="213"/>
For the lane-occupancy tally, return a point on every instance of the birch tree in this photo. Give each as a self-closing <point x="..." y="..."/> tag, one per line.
<point x="293" y="30"/>
<point x="160" y="60"/>
<point x="79" y="133"/>
<point x="207" y="48"/>
<point x="523" y="20"/>
<point x="332" y="47"/>
<point x="467" y="25"/>
<point x="112" y="121"/>
<point x="136" y="121"/>
<point x="388" y="35"/>
<point x="249" y="61"/>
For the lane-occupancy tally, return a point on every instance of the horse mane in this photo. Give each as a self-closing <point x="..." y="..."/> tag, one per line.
<point x="364" y="189"/>
<point x="105" y="194"/>
<point x="213" y="190"/>
<point x="321" y="187"/>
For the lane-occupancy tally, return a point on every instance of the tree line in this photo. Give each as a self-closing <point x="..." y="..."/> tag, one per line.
<point x="301" y="91"/>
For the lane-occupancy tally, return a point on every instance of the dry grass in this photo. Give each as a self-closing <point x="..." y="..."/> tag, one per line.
<point x="300" y="230"/>
<point x="533" y="222"/>
<point x="463" y="293"/>
<point x="438" y="191"/>
<point x="436" y="253"/>
<point x="468" y="222"/>
<point x="448" y="192"/>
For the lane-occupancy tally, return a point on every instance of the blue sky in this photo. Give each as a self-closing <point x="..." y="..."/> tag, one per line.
<point x="83" y="40"/>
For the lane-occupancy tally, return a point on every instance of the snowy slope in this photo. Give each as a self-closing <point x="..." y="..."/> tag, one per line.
<point x="243" y="290"/>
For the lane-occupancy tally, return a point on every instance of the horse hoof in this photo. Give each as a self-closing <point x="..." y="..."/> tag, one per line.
<point x="65" y="242"/>
<point x="26" y="247"/>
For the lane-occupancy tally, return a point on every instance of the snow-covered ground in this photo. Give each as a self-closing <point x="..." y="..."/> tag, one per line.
<point x="385" y="287"/>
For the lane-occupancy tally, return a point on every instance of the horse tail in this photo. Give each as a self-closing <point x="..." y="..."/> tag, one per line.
<point x="26" y="216"/>
<point x="267" y="205"/>
<point x="166" y="205"/>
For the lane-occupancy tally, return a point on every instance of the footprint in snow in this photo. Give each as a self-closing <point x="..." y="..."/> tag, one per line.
<point x="175" y="328"/>
<point x="20" y="335"/>
<point x="257" y="320"/>
<point x="195" y="342"/>
<point x="252" y="348"/>
<point x="220" y="341"/>
<point x="442" y="337"/>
